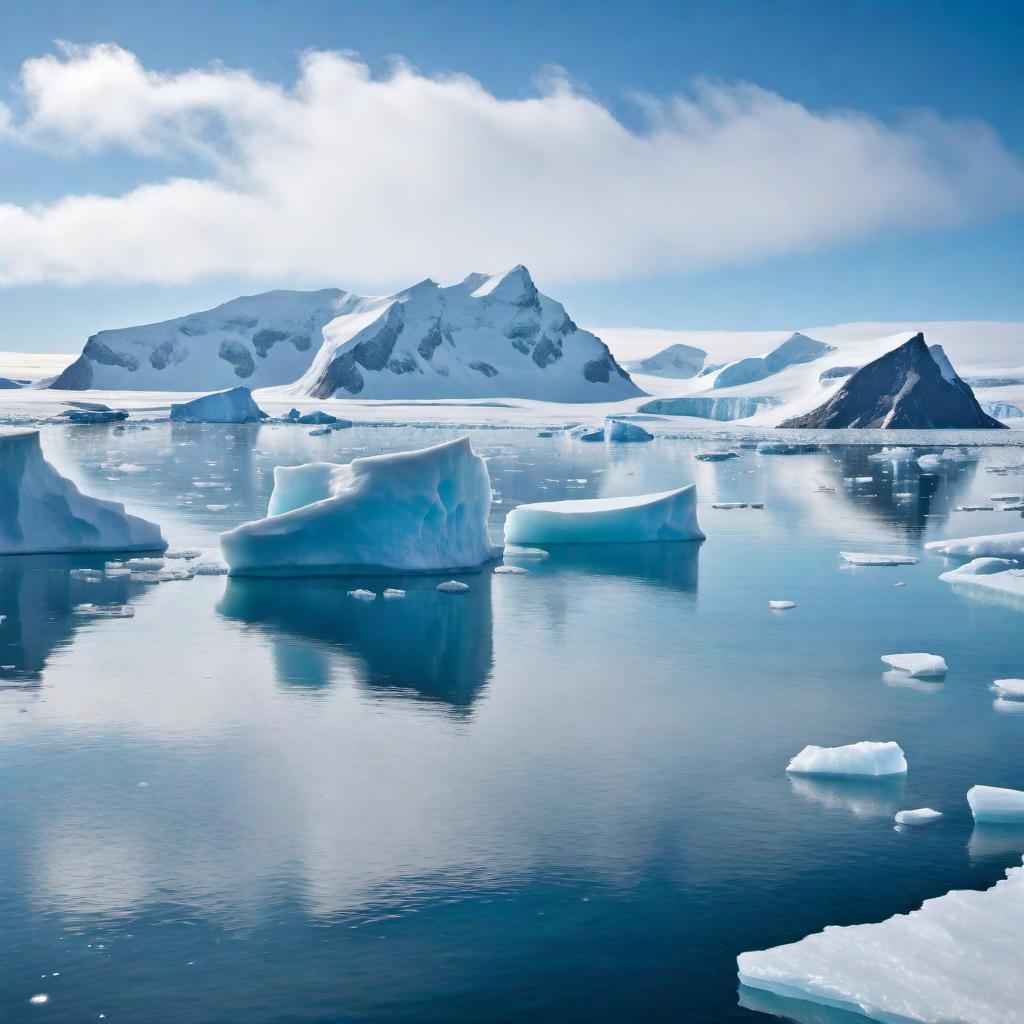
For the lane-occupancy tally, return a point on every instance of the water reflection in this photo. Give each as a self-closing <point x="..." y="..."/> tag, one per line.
<point x="995" y="841"/>
<point x="37" y="601"/>
<point x="866" y="798"/>
<point x="427" y="646"/>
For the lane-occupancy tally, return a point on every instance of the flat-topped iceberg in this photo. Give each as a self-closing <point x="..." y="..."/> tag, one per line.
<point x="234" y="406"/>
<point x="864" y="758"/>
<point x="667" y="515"/>
<point x="998" y="577"/>
<point x="44" y="512"/>
<point x="994" y="805"/>
<point x="991" y="545"/>
<point x="955" y="959"/>
<point x="419" y="511"/>
<point x="917" y="664"/>
<point x="918" y="816"/>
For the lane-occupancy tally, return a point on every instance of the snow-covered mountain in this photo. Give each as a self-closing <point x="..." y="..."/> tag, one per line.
<point x="911" y="387"/>
<point x="797" y="348"/>
<point x="677" y="361"/>
<point x="489" y="336"/>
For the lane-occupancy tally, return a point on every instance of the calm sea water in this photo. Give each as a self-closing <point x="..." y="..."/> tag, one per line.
<point x="561" y="796"/>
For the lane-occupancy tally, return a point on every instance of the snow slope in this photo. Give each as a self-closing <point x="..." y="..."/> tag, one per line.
<point x="44" y="512"/>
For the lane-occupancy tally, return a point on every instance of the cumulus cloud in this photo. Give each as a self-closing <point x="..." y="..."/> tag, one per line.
<point x="354" y="178"/>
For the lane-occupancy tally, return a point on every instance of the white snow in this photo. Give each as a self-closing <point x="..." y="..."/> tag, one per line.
<point x="996" y="806"/>
<point x="624" y="430"/>
<point x="866" y="558"/>
<point x="664" y="516"/>
<point x="418" y="511"/>
<point x="918" y="816"/>
<point x="865" y="758"/>
<point x="993" y="545"/>
<point x="43" y="511"/>
<point x="234" y="406"/>
<point x="919" y="665"/>
<point x="954" y="960"/>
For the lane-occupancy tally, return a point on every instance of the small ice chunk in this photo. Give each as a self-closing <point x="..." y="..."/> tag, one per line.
<point x="918" y="816"/>
<point x="664" y="516"/>
<point x="183" y="553"/>
<point x="1009" y="687"/>
<point x="452" y="587"/>
<point x="146" y="564"/>
<point x="209" y="565"/>
<point x="362" y="595"/>
<point x="917" y="664"/>
<point x="996" y="806"/>
<point x="864" y="758"/>
<point x="87" y="575"/>
<point x="624" y="430"/>
<point x="587" y="433"/>
<point x="515" y="551"/>
<point x="781" y="606"/>
<point x="868" y="558"/>
<point x="510" y="570"/>
<point x="391" y="593"/>
<point x="716" y="456"/>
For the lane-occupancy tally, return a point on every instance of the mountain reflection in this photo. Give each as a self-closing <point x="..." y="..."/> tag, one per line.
<point x="426" y="646"/>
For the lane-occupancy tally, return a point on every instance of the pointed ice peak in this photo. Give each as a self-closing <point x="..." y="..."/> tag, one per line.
<point x="945" y="366"/>
<point x="424" y="287"/>
<point x="513" y="285"/>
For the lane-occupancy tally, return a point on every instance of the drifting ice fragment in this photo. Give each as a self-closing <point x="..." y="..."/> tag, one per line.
<point x="87" y="575"/>
<point x="729" y="504"/>
<point x="864" y="758"/>
<point x="919" y="816"/>
<point x="993" y="545"/>
<point x="918" y="664"/>
<point x="955" y="959"/>
<point x="234" y="406"/>
<point x="363" y="595"/>
<point x="623" y="430"/>
<point x="866" y="558"/>
<point x="1010" y="687"/>
<point x="588" y="433"/>
<point x="393" y="592"/>
<point x="514" y="551"/>
<point x="716" y="456"/>
<point x="780" y="606"/>
<point x="510" y="570"/>
<point x="105" y="611"/>
<point x="452" y="587"/>
<point x="419" y="511"/>
<point x="999" y="575"/>
<point x="667" y="515"/>
<point x="996" y="806"/>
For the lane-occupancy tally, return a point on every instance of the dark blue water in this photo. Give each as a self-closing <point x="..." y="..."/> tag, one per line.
<point x="560" y="796"/>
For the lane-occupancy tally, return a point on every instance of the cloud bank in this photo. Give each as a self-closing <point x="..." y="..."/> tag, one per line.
<point x="349" y="178"/>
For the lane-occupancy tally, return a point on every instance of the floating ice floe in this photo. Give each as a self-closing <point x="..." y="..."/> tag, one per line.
<point x="933" y="462"/>
<point x="183" y="553"/>
<point x="918" y="816"/>
<point x="587" y="433"/>
<point x="892" y="455"/>
<point x="996" y="806"/>
<point x="105" y="611"/>
<point x="624" y="430"/>
<point x="44" y="512"/>
<point x="233" y="406"/>
<point x="516" y="551"/>
<point x="393" y="593"/>
<point x="363" y="595"/>
<point x="1000" y="576"/>
<point x="917" y="664"/>
<point x="452" y="587"/>
<point x="664" y="516"/>
<point x="418" y="511"/>
<point x="864" y="758"/>
<point x="1009" y="687"/>
<point x="955" y="959"/>
<point x="510" y="570"/>
<point x="716" y="456"/>
<point x="867" y="558"/>
<point x="781" y="606"/>
<point x="991" y="545"/>
<point x="729" y="504"/>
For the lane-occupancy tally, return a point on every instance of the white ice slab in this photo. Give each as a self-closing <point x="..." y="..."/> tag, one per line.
<point x="864" y="758"/>
<point x="993" y="545"/>
<point x="996" y="806"/>
<point x="918" y="816"/>
<point x="920" y="664"/>
<point x="867" y="558"/>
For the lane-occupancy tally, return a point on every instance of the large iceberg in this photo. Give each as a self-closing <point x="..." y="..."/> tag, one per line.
<point x="667" y="515"/>
<point x="864" y="758"/>
<point x="234" y="406"/>
<point x="44" y="512"/>
<point x="992" y="545"/>
<point x="994" y="805"/>
<point x="955" y="959"/>
<point x="998" y="577"/>
<point x="419" y="511"/>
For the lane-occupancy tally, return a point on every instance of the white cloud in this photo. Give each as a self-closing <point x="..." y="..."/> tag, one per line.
<point x="358" y="180"/>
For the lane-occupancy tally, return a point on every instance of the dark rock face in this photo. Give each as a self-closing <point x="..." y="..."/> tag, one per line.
<point x="235" y="353"/>
<point x="904" y="389"/>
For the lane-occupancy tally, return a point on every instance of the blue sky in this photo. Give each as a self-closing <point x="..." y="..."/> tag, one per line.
<point x="847" y="76"/>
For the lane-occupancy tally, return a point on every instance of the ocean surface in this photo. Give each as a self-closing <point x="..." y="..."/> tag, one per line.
<point x="559" y="797"/>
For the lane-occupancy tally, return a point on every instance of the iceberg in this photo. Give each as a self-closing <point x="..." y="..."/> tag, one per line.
<point x="933" y="462"/>
<point x="234" y="406"/>
<point x="781" y="606"/>
<point x="993" y="545"/>
<point x="44" y="512"/>
<point x="996" y="576"/>
<point x="420" y="511"/>
<point x="624" y="430"/>
<point x="667" y="515"/>
<point x="864" y="758"/>
<point x="452" y="587"/>
<point x="716" y="456"/>
<point x="1009" y="687"/>
<point x="587" y="433"/>
<point x="865" y="558"/>
<point x="954" y="959"/>
<point x="918" y="665"/>
<point x="918" y="816"/>
<point x="996" y="806"/>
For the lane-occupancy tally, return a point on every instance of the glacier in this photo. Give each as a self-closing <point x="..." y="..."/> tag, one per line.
<point x="419" y="511"/>
<point x="994" y="805"/>
<point x="233" y="406"/>
<point x="954" y="959"/>
<point x="708" y="407"/>
<point x="664" y="516"/>
<point x="864" y="758"/>
<point x="44" y="512"/>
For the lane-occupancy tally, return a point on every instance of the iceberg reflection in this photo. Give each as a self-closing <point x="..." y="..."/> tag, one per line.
<point x="866" y="798"/>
